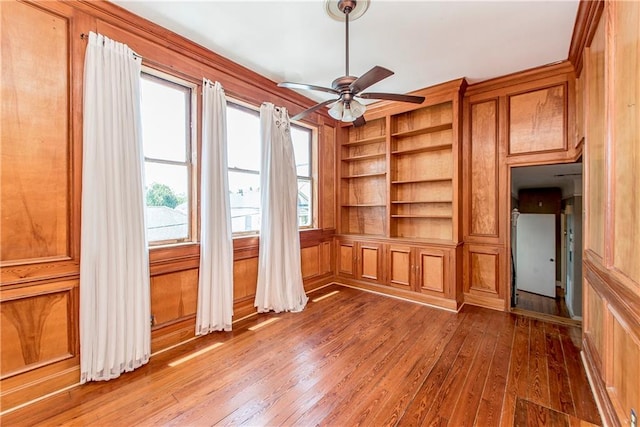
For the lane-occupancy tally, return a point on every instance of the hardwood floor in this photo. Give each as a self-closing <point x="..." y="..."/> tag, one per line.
<point x="542" y="304"/>
<point x="353" y="358"/>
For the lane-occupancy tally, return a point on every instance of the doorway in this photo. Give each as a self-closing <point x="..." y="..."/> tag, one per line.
<point x="546" y="240"/>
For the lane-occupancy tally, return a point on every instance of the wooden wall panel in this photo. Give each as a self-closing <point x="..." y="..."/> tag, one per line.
<point x="484" y="169"/>
<point x="36" y="328"/>
<point x="310" y="258"/>
<point x="327" y="187"/>
<point x="174" y="296"/>
<point x="625" y="368"/>
<point x="537" y="120"/>
<point x="35" y="134"/>
<point x="245" y="278"/>
<point x="594" y="144"/>
<point x="484" y="272"/>
<point x="593" y="325"/>
<point x="325" y="258"/>
<point x="625" y="120"/>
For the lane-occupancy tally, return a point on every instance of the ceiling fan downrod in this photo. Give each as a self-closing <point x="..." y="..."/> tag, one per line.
<point x="346" y="6"/>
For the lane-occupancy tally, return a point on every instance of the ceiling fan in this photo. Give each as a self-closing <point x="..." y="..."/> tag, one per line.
<point x="345" y="107"/>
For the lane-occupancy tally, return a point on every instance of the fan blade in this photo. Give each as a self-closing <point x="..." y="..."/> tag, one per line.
<point x="393" y="97"/>
<point x="291" y="85"/>
<point x="360" y="121"/>
<point x="369" y="78"/>
<point x="312" y="109"/>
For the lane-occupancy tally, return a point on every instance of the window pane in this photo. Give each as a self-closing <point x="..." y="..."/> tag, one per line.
<point x="164" y="120"/>
<point x="244" y="195"/>
<point x="305" y="209"/>
<point x="167" y="200"/>
<point x="301" y="145"/>
<point x="243" y="136"/>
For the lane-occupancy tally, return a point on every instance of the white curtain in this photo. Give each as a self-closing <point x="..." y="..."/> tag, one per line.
<point x="215" y="286"/>
<point x="114" y="260"/>
<point x="280" y="286"/>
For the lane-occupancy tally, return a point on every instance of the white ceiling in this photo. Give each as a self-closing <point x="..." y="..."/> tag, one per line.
<point x="423" y="42"/>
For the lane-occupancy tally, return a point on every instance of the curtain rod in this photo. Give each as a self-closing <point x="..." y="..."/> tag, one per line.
<point x="84" y="36"/>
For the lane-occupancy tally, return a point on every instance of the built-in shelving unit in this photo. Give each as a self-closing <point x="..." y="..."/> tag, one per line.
<point x="422" y="169"/>
<point x="363" y="207"/>
<point x="397" y="175"/>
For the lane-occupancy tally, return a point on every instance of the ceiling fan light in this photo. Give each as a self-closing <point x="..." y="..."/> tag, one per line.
<point x="357" y="108"/>
<point x="336" y="110"/>
<point x="348" y="116"/>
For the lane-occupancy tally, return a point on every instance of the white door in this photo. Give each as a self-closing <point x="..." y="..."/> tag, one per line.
<point x="536" y="253"/>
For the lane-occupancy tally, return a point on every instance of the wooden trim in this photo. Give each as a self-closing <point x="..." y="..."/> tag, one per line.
<point x="433" y="95"/>
<point x="587" y="19"/>
<point x="526" y="76"/>
<point x="432" y="301"/>
<point x="598" y="387"/>
<point x="621" y="299"/>
<point x="484" y="301"/>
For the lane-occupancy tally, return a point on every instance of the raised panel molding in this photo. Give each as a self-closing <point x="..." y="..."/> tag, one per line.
<point x="538" y="120"/>
<point x="346" y="257"/>
<point x="483" y="169"/>
<point x="400" y="266"/>
<point x="310" y="261"/>
<point x="369" y="257"/>
<point x="35" y="143"/>
<point x="174" y="296"/>
<point x="36" y="326"/>
<point x="432" y="269"/>
<point x="483" y="266"/>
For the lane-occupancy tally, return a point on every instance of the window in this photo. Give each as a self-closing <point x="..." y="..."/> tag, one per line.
<point x="243" y="135"/>
<point x="166" y="135"/>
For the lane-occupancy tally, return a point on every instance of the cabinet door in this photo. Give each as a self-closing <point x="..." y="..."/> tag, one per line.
<point x="346" y="257"/>
<point x="432" y="271"/>
<point x="369" y="261"/>
<point x="399" y="266"/>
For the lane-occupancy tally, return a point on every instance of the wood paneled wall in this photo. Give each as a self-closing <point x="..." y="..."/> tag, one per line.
<point x="40" y="162"/>
<point x="610" y="58"/>
<point x="522" y="119"/>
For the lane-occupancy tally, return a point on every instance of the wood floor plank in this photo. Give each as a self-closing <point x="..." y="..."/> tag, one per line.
<point x="353" y="359"/>
<point x="583" y="401"/>
<point x="538" y="383"/>
<point x="531" y="414"/>
<point x="490" y="407"/>
<point x="560" y="397"/>
<point x="518" y="370"/>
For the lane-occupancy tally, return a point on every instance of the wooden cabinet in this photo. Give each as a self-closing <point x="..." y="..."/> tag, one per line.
<point x="418" y="269"/>
<point x="409" y="269"/>
<point x="360" y="260"/>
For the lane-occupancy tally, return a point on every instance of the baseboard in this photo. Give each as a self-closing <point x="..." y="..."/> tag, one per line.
<point x="598" y="388"/>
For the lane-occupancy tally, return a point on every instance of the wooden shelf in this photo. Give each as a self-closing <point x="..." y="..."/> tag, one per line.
<point x="413" y="202"/>
<point x="423" y="149"/>
<point x="365" y="205"/>
<point x="371" y="140"/>
<point x="422" y="216"/>
<point x="365" y="157"/>
<point x="364" y="175"/>
<point x="417" y="181"/>
<point x="420" y="131"/>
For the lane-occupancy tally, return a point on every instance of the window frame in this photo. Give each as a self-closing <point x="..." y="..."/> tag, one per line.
<point x="190" y="90"/>
<point x="311" y="178"/>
